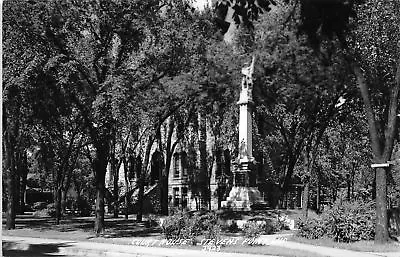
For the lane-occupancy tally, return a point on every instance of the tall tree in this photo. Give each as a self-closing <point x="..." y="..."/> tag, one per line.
<point x="376" y="66"/>
<point x="297" y="93"/>
<point x="180" y="50"/>
<point x="374" y="60"/>
<point x="20" y="69"/>
<point x="89" y="44"/>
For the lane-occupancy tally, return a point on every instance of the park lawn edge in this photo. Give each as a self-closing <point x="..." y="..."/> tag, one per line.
<point x="360" y="246"/>
<point x="255" y="249"/>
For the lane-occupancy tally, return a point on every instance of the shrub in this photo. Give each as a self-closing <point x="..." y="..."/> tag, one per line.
<point x="267" y="225"/>
<point x="181" y="226"/>
<point x="193" y="228"/>
<point x="312" y="228"/>
<point x="343" y="222"/>
<point x="48" y="210"/>
<point x="210" y="226"/>
<point x="173" y="225"/>
<point x="283" y="222"/>
<point x="352" y="221"/>
<point x="253" y="229"/>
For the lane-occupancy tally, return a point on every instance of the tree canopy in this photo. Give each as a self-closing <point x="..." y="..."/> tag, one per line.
<point x="88" y="83"/>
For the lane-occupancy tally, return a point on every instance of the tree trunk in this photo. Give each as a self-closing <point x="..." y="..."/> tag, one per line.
<point x="126" y="198"/>
<point x="78" y="200"/>
<point x="164" y="186"/>
<point x="9" y="149"/>
<point x="141" y="180"/>
<point x="288" y="174"/>
<point x="100" y="193"/>
<point x="100" y="166"/>
<point x="203" y="176"/>
<point x="382" y="147"/>
<point x="306" y="191"/>
<point x="57" y="203"/>
<point x="10" y="215"/>
<point x="18" y="171"/>
<point x="373" y="193"/>
<point x="18" y="206"/>
<point x="24" y="175"/>
<point x="64" y="193"/>
<point x="139" y="215"/>
<point x="165" y="172"/>
<point x="113" y="203"/>
<point x="66" y="186"/>
<point x="305" y="200"/>
<point x="126" y="203"/>
<point x="115" y="172"/>
<point x="381" y="231"/>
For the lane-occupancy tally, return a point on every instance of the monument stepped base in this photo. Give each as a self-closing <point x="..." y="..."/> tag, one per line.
<point x="241" y="198"/>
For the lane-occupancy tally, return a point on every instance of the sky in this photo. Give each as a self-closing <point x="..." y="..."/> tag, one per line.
<point x="200" y="4"/>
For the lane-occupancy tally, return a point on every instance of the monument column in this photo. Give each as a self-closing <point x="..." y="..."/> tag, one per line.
<point x="243" y="195"/>
<point x="245" y="127"/>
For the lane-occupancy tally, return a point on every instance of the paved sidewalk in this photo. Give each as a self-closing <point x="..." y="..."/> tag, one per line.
<point x="103" y="249"/>
<point x="279" y="240"/>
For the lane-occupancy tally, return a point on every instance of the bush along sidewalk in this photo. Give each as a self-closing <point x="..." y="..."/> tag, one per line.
<point x="183" y="225"/>
<point x="343" y="222"/>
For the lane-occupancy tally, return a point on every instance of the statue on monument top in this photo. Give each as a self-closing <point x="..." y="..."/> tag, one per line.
<point x="242" y="150"/>
<point x="247" y="83"/>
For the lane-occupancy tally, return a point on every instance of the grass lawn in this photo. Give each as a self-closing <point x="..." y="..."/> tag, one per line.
<point x="120" y="231"/>
<point x="361" y="246"/>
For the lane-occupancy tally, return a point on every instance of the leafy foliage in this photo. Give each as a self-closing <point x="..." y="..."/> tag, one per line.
<point x="243" y="11"/>
<point x="260" y="226"/>
<point x="312" y="228"/>
<point x="329" y="18"/>
<point x="343" y="222"/>
<point x="253" y="229"/>
<point x="210" y="226"/>
<point x="296" y="93"/>
<point x="182" y="225"/>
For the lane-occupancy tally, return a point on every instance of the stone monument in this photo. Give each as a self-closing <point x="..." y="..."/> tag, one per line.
<point x="243" y="195"/>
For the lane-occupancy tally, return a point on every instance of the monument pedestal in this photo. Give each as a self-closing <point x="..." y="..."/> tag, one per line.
<point x="242" y="196"/>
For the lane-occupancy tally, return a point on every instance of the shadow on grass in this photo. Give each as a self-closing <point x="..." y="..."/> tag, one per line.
<point x="115" y="228"/>
<point x="38" y="250"/>
<point x="126" y="232"/>
<point x="66" y="224"/>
